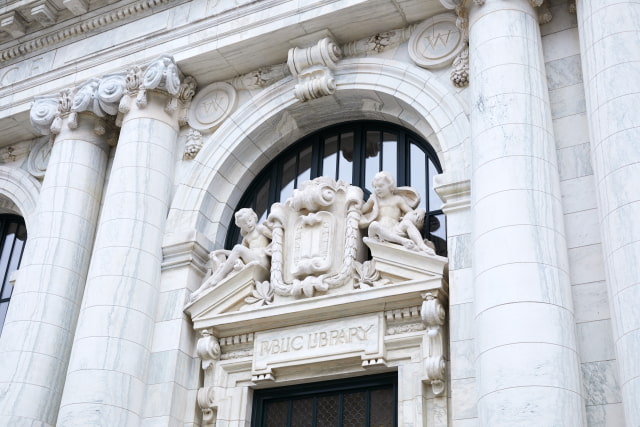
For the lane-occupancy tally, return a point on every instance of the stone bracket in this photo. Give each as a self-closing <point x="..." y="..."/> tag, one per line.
<point x="433" y="317"/>
<point x="313" y="67"/>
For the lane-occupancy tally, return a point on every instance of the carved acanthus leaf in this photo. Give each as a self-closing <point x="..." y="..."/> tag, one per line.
<point x="262" y="294"/>
<point x="367" y="276"/>
<point x="460" y="69"/>
<point x="193" y="145"/>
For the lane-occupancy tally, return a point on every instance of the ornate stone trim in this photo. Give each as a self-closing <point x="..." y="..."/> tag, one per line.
<point x="313" y="67"/>
<point x="72" y="31"/>
<point x="212" y="105"/>
<point x="208" y="350"/>
<point x="378" y="42"/>
<point x="39" y="157"/>
<point x="261" y="77"/>
<point x="437" y="41"/>
<point x="433" y="317"/>
<point x="193" y="145"/>
<point x="99" y="97"/>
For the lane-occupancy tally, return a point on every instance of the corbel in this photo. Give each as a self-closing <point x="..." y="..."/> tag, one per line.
<point x="433" y="318"/>
<point x="313" y="67"/>
<point x="208" y="350"/>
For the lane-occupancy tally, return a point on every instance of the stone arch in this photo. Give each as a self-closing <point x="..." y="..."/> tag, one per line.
<point x="367" y="88"/>
<point x="19" y="193"/>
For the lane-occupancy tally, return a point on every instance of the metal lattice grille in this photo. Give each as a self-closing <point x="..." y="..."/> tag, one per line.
<point x="362" y="402"/>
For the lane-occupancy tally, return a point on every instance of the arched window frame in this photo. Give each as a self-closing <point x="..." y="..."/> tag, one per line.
<point x="272" y="174"/>
<point x="13" y="236"/>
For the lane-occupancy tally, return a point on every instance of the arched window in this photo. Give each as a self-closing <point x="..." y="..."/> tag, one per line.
<point x="353" y="152"/>
<point x="13" y="235"/>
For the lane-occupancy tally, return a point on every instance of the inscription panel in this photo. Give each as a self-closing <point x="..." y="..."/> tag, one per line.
<point x="339" y="338"/>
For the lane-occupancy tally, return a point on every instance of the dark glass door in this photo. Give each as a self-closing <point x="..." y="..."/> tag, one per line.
<point x="356" y="402"/>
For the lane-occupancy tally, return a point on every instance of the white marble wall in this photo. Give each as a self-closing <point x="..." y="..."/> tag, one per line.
<point x="527" y="357"/>
<point x="463" y="408"/>
<point x="38" y="331"/>
<point x="591" y="303"/>
<point x="609" y="40"/>
<point x="107" y="374"/>
<point x="174" y="368"/>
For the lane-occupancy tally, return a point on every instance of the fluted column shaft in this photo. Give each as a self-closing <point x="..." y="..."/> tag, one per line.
<point x="527" y="362"/>
<point x="610" y="48"/>
<point x="38" y="332"/>
<point x="106" y="378"/>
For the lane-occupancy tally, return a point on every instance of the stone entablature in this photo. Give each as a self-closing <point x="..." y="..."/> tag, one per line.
<point x="298" y="300"/>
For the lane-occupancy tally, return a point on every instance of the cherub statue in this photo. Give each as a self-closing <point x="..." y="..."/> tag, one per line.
<point x="252" y="251"/>
<point x="389" y="213"/>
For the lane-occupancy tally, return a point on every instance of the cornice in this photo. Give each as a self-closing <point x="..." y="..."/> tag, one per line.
<point x="79" y="28"/>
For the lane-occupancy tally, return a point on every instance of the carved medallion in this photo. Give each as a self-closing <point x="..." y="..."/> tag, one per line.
<point x="212" y="105"/>
<point x="436" y="42"/>
<point x="39" y="158"/>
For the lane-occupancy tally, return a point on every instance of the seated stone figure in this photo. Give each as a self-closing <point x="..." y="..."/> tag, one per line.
<point x="390" y="216"/>
<point x="252" y="251"/>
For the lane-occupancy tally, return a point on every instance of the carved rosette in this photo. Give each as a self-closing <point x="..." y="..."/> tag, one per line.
<point x="313" y="67"/>
<point x="433" y="318"/>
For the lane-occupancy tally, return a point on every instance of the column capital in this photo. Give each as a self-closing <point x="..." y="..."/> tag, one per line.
<point x="160" y="75"/>
<point x="112" y="94"/>
<point x="98" y="97"/>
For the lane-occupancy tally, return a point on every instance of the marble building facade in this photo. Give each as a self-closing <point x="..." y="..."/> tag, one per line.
<point x="129" y="131"/>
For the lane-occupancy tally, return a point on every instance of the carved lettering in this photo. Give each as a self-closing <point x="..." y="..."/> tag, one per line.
<point x="10" y="76"/>
<point x="330" y="338"/>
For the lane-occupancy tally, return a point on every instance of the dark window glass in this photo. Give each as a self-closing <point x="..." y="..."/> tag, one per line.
<point x="13" y="235"/>
<point x="353" y="152"/>
<point x="363" y="402"/>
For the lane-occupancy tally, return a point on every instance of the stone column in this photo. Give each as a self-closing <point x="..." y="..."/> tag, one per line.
<point x="610" y="48"/>
<point x="106" y="379"/>
<point x="38" y="333"/>
<point x="527" y="362"/>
